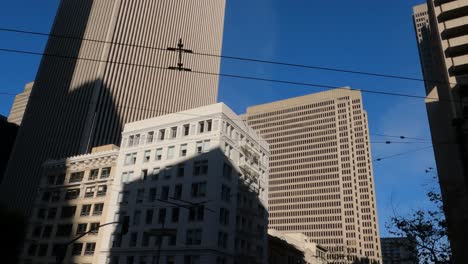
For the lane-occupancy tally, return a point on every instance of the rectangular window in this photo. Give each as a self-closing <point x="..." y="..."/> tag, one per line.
<point x="144" y="174"/>
<point x="131" y="139"/>
<point x="47" y="231"/>
<point x="152" y="195"/>
<point x="136" y="217"/>
<point x="32" y="250"/>
<point x="200" y="167"/>
<point x="183" y="150"/>
<point x="224" y="216"/>
<point x="77" y="249"/>
<point x="192" y="259"/>
<point x="198" y="189"/>
<point x="89" y="192"/>
<point x="85" y="209"/>
<point x="76" y="177"/>
<point x="175" y="215"/>
<point x="43" y="248"/>
<point x="52" y="213"/>
<point x="72" y="194"/>
<point x="186" y="129"/>
<point x="98" y="209"/>
<point x="196" y="213"/>
<point x="81" y="229"/>
<point x="137" y="140"/>
<point x="227" y="170"/>
<point x="173" y="132"/>
<point x="178" y="191"/>
<point x="194" y="237"/>
<point x="209" y="125"/>
<point x="199" y="147"/>
<point x="133" y="239"/>
<point x="102" y="190"/>
<point x="60" y="179"/>
<point x="93" y="174"/>
<point x="145" y="243"/>
<point x="68" y="212"/>
<point x="149" y="216"/>
<point x="149" y="137"/>
<point x="41" y="213"/>
<point x="140" y="196"/>
<point x="162" y="215"/>
<point x="162" y="134"/>
<point x="89" y="248"/>
<point x="165" y="193"/>
<point x="147" y="156"/>
<point x="201" y="126"/>
<point x="94" y="228"/>
<point x="130" y="159"/>
<point x="170" y="152"/>
<point x="222" y="239"/>
<point x="225" y="193"/>
<point x="181" y="170"/>
<point x="55" y="196"/>
<point x="159" y="154"/>
<point x="206" y="145"/>
<point x="64" y="230"/>
<point x="155" y="174"/>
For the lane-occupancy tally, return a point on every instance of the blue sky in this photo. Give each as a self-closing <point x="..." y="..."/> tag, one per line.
<point x="366" y="35"/>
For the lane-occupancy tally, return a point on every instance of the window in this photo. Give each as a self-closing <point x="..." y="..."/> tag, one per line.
<point x="105" y="173"/>
<point x="224" y="216"/>
<point x="162" y="216"/>
<point x="209" y="125"/>
<point x="47" y="231"/>
<point x="98" y="209"/>
<point x="147" y="156"/>
<point x="149" y="137"/>
<point x="149" y="216"/>
<point x="43" y="248"/>
<point x="194" y="237"/>
<point x="76" y="177"/>
<point x="170" y="152"/>
<point x="196" y="213"/>
<point x="173" y="132"/>
<point x="133" y="239"/>
<point x="68" y="211"/>
<point x="168" y="172"/>
<point x="165" y="193"/>
<point x="64" y="230"/>
<point x="222" y="239"/>
<point x="52" y="213"/>
<point x="45" y="196"/>
<point x="55" y="196"/>
<point x="225" y="193"/>
<point x="32" y="250"/>
<point x="89" y="248"/>
<point x="137" y="140"/>
<point x="186" y="129"/>
<point x="159" y="154"/>
<point x="144" y="174"/>
<point x="201" y="126"/>
<point x="181" y="170"/>
<point x="191" y="259"/>
<point x="140" y="195"/>
<point x="152" y="195"/>
<point x="162" y="134"/>
<point x="77" y="248"/>
<point x="60" y="179"/>
<point x="178" y="191"/>
<point x="94" y="228"/>
<point x="72" y="194"/>
<point x="37" y="231"/>
<point x="93" y="174"/>
<point x="227" y="170"/>
<point x="206" y="145"/>
<point x="89" y="191"/>
<point x="41" y="213"/>
<point x="172" y="240"/>
<point x="183" y="150"/>
<point x="175" y="214"/>
<point x="145" y="242"/>
<point x="85" y="209"/>
<point x="130" y="159"/>
<point x="199" y="147"/>
<point x="155" y="174"/>
<point x="198" y="189"/>
<point x="126" y="176"/>
<point x="131" y="139"/>
<point x="51" y="179"/>
<point x="200" y="167"/>
<point x="136" y="217"/>
<point x="81" y="229"/>
<point x="102" y="190"/>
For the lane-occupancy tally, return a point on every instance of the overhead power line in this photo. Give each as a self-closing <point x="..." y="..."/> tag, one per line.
<point x="255" y="60"/>
<point x="403" y="153"/>
<point x="234" y="76"/>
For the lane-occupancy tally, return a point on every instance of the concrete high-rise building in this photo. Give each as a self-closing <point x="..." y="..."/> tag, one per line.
<point x="71" y="200"/>
<point x="442" y="34"/>
<point x="77" y="104"/>
<point x="398" y="250"/>
<point x="193" y="186"/>
<point x="19" y="105"/>
<point x="321" y="179"/>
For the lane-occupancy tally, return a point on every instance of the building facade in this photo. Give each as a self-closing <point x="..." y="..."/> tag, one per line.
<point x="294" y="248"/>
<point x="321" y="179"/>
<point x="71" y="200"/>
<point x="9" y="131"/>
<point x="19" y="105"/>
<point x="110" y="67"/>
<point x="193" y="187"/>
<point x="398" y="250"/>
<point x="442" y="30"/>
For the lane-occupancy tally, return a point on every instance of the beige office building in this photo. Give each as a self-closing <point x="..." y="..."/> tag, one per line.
<point x="442" y="34"/>
<point x="19" y="105"/>
<point x="77" y="104"/>
<point x="321" y="180"/>
<point x="71" y="200"/>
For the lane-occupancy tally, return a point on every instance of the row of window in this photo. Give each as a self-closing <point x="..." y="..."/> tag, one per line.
<point x="42" y="250"/>
<point x="293" y="109"/>
<point x="64" y="230"/>
<point x="78" y="176"/>
<point x="187" y="259"/>
<point x="72" y="194"/>
<point x="69" y="211"/>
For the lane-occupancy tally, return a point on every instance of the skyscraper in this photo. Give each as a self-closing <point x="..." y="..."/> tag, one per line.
<point x="19" y="105"/>
<point x="77" y="104"/>
<point x="321" y="178"/>
<point x="442" y="30"/>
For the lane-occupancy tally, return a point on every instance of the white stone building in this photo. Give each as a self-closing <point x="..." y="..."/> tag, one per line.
<point x="199" y="177"/>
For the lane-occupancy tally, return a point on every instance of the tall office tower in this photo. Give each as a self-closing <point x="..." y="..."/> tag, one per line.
<point x="19" y="105"/>
<point x="193" y="187"/>
<point x="71" y="201"/>
<point x="398" y="250"/>
<point x="321" y="179"/>
<point x="443" y="49"/>
<point x="122" y="77"/>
